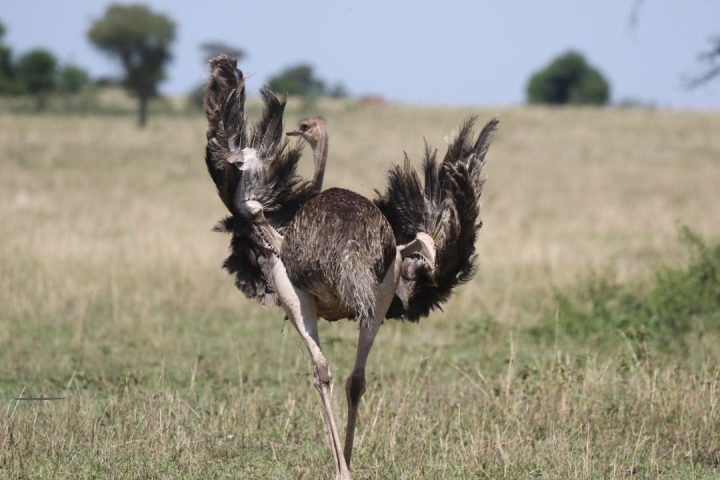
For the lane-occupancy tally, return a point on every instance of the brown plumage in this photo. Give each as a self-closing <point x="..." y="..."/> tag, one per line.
<point x="338" y="248"/>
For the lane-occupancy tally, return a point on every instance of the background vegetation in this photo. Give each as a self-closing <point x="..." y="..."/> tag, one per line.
<point x="140" y="40"/>
<point x="568" y="79"/>
<point x="586" y="347"/>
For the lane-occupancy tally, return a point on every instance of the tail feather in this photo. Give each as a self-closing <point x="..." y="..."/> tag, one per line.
<point x="446" y="207"/>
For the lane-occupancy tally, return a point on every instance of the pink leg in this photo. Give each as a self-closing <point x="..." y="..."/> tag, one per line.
<point x="301" y="309"/>
<point x="355" y="385"/>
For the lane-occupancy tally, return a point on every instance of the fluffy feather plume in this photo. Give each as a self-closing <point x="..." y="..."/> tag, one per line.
<point x="250" y="163"/>
<point x="446" y="207"/>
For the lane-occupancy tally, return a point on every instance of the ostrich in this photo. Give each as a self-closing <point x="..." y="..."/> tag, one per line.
<point x="335" y="254"/>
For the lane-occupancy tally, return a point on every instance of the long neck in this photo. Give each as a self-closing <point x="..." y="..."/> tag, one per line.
<point x="320" y="151"/>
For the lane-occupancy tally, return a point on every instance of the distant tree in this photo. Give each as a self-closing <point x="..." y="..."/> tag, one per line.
<point x="8" y="83"/>
<point x="140" y="39"/>
<point x="298" y="80"/>
<point x="568" y="79"/>
<point x="215" y="48"/>
<point x="36" y="71"/>
<point x="338" y="90"/>
<point x="196" y="97"/>
<point x="105" y="81"/>
<point x="6" y="63"/>
<point x="72" y="79"/>
<point x="5" y="55"/>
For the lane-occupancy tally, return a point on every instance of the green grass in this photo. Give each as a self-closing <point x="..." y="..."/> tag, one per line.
<point x="674" y="308"/>
<point x="111" y="296"/>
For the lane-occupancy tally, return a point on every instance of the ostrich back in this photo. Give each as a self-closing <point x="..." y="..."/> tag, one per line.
<point x="338" y="248"/>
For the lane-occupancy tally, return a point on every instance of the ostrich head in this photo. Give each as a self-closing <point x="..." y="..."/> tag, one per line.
<point x="314" y="131"/>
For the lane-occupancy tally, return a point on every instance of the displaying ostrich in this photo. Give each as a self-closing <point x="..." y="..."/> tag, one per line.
<point x="335" y="254"/>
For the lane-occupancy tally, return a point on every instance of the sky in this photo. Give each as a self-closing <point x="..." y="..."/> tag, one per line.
<point x="454" y="52"/>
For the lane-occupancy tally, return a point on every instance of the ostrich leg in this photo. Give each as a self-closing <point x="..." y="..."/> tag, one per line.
<point x="355" y="385"/>
<point x="301" y="309"/>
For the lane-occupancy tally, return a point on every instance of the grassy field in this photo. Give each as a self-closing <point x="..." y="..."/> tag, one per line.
<point x="111" y="297"/>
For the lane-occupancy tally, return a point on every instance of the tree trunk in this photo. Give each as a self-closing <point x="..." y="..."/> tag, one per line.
<point x="40" y="101"/>
<point x="142" y="118"/>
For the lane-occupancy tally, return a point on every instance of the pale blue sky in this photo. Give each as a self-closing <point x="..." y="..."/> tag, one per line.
<point x="444" y="52"/>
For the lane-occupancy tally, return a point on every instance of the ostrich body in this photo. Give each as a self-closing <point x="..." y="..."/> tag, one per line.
<point x="335" y="254"/>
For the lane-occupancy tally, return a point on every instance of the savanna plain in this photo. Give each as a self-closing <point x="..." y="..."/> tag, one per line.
<point x="587" y="345"/>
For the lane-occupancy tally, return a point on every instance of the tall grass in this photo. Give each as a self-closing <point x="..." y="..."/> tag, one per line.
<point x="111" y="297"/>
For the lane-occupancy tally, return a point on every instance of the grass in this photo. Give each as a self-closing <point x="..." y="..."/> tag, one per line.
<point x="677" y="302"/>
<point x="111" y="297"/>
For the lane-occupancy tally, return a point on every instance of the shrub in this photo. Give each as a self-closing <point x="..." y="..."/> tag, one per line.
<point x="676" y="301"/>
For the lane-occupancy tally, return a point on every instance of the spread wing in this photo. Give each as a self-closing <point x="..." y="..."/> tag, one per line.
<point x="250" y="163"/>
<point x="443" y="208"/>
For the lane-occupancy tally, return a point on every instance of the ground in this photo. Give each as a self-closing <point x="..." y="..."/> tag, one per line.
<point x="111" y="297"/>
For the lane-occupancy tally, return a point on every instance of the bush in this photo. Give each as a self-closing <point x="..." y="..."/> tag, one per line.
<point x="568" y="80"/>
<point x="677" y="300"/>
<point x="72" y="79"/>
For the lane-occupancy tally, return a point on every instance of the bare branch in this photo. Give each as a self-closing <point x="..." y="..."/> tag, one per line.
<point x="635" y="14"/>
<point x="711" y="58"/>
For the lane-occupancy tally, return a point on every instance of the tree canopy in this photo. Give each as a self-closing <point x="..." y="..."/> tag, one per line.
<point x="72" y="79"/>
<point x="37" y="70"/>
<point x="214" y="48"/>
<point x="8" y="84"/>
<point x="140" y="40"/>
<point x="298" y="80"/>
<point x="568" y="79"/>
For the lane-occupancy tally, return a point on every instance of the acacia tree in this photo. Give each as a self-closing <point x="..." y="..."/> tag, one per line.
<point x="140" y="40"/>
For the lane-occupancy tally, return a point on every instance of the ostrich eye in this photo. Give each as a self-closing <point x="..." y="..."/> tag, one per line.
<point x="304" y="127"/>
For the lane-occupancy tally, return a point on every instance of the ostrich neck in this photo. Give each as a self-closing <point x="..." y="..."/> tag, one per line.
<point x="320" y="157"/>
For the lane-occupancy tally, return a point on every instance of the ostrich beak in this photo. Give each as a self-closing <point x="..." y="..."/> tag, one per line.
<point x="294" y="133"/>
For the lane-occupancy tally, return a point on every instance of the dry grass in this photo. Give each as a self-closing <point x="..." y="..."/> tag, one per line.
<point x="111" y="296"/>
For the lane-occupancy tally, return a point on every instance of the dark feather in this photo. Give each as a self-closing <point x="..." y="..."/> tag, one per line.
<point x="224" y="109"/>
<point x="446" y="207"/>
<point x="280" y="191"/>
